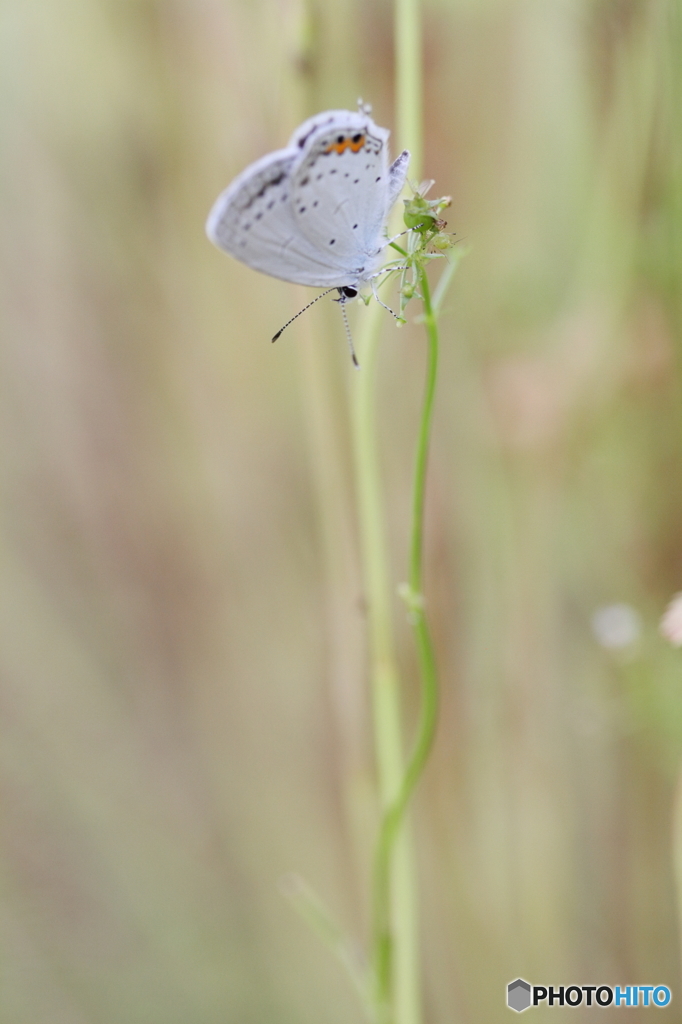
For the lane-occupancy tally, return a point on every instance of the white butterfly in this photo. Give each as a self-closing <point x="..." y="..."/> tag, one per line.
<point x="314" y="213"/>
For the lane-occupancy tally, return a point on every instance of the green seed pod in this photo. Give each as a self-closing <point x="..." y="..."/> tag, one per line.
<point x="418" y="216"/>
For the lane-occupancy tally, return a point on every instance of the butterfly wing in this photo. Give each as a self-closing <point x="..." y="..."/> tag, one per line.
<point x="342" y="189"/>
<point x="397" y="173"/>
<point x="313" y="213"/>
<point x="253" y="221"/>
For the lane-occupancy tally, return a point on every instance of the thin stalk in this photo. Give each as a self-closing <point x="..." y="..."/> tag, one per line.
<point x="384" y="682"/>
<point x="408" y="59"/>
<point x="396" y="945"/>
<point x="384" y="932"/>
<point x="677" y="848"/>
<point x="416" y="543"/>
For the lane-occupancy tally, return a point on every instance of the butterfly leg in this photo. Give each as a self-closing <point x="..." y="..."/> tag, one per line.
<point x="394" y="239"/>
<point x="376" y="296"/>
<point x="389" y="270"/>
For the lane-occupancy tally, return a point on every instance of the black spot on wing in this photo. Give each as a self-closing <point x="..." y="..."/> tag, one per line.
<point x="267" y="184"/>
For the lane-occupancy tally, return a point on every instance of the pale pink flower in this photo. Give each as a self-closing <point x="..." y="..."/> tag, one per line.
<point x="671" y="623"/>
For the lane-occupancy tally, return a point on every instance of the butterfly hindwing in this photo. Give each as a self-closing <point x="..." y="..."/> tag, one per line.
<point x="339" y="191"/>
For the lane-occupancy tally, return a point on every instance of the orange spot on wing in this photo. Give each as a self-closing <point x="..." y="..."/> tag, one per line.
<point x="341" y="147"/>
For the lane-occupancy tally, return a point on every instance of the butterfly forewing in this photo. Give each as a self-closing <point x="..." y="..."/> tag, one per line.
<point x="253" y="221"/>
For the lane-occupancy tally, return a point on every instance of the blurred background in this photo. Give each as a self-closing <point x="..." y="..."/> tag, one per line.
<point x="184" y="705"/>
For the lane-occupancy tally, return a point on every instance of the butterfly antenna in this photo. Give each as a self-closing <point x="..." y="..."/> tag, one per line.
<point x="316" y="299"/>
<point x="349" y="337"/>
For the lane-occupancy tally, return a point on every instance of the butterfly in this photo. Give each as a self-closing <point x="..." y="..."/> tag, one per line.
<point x="315" y="212"/>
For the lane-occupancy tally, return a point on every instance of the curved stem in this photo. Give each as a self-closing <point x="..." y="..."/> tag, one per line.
<point x="395" y="814"/>
<point x="416" y="543"/>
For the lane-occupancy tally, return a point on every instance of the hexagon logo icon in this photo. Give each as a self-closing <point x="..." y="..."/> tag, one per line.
<point x="518" y="995"/>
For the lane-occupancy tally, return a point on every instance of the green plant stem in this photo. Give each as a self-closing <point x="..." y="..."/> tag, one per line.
<point x="383" y="671"/>
<point x="396" y="946"/>
<point x="395" y="814"/>
<point x="408" y="59"/>
<point x="374" y="556"/>
<point x="416" y="542"/>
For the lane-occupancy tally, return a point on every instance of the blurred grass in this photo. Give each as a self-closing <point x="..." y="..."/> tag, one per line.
<point x="182" y="694"/>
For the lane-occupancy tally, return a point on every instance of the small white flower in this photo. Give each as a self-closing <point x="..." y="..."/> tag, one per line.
<point x="671" y="623"/>
<point x="616" y="626"/>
